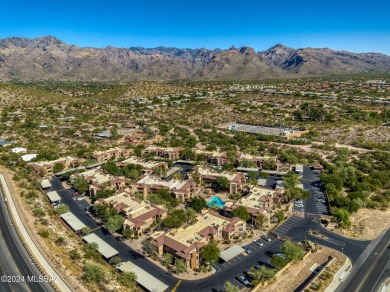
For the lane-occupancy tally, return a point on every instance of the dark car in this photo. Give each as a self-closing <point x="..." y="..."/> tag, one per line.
<point x="266" y="238"/>
<point x="105" y="229"/>
<point x="247" y="249"/>
<point x="243" y="280"/>
<point x="76" y="194"/>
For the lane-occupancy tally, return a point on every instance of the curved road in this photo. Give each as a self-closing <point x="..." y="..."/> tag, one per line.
<point x="14" y="260"/>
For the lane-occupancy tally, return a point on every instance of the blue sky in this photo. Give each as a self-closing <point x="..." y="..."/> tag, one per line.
<point x="358" y="26"/>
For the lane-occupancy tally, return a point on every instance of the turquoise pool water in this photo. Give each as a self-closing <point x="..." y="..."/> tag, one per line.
<point x="216" y="202"/>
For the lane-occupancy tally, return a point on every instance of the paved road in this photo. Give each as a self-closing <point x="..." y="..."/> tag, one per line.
<point x="14" y="260"/>
<point x="295" y="227"/>
<point x="371" y="270"/>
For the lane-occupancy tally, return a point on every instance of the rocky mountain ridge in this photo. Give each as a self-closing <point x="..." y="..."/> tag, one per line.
<point x="48" y="58"/>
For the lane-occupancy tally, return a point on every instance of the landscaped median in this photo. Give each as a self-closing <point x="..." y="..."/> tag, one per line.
<point x="37" y="257"/>
<point x="300" y="273"/>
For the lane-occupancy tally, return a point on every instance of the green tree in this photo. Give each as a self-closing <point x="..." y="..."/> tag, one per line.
<point x="279" y="215"/>
<point x="129" y="233"/>
<point x="221" y="184"/>
<point x="190" y="215"/>
<point x="91" y="246"/>
<point x="180" y="266"/>
<point x="86" y="230"/>
<point x="261" y="220"/>
<point x="104" y="193"/>
<point x="198" y="204"/>
<point x="263" y="274"/>
<point x="81" y="185"/>
<point x="105" y="211"/>
<point x="168" y="259"/>
<point x="44" y="233"/>
<point x="210" y="252"/>
<point x="187" y="154"/>
<point x="269" y="164"/>
<point x="252" y="176"/>
<point x="128" y="279"/>
<point x="111" y="168"/>
<point x="341" y="216"/>
<point x="291" y="180"/>
<point x="166" y="198"/>
<point x="229" y="287"/>
<point x="175" y="219"/>
<point x="241" y="213"/>
<point x="278" y="261"/>
<point x="115" y="222"/>
<point x="296" y="193"/>
<point x="292" y="251"/>
<point x="94" y="273"/>
<point x="60" y="241"/>
<point x="63" y="208"/>
<point x="58" y="167"/>
<point x="74" y="254"/>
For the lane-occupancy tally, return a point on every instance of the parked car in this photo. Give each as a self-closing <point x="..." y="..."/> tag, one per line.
<point x="243" y="280"/>
<point x="299" y="202"/>
<point x="80" y="198"/>
<point x="247" y="249"/>
<point x="88" y="208"/>
<point x="320" y="200"/>
<point x="120" y="238"/>
<point x="266" y="238"/>
<point x="104" y="229"/>
<point x="258" y="242"/>
<point x="257" y="267"/>
<point x="76" y="194"/>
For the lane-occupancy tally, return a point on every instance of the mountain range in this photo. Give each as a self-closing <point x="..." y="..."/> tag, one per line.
<point x="48" y="58"/>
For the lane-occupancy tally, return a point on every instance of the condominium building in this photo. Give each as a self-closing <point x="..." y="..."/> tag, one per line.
<point x="182" y="190"/>
<point x="236" y="180"/>
<point x="187" y="241"/>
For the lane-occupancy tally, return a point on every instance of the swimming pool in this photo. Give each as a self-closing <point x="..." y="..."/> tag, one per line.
<point x="215" y="201"/>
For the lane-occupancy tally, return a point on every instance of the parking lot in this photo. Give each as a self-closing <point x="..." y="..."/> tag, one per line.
<point x="287" y="225"/>
<point x="243" y="262"/>
<point x="320" y="202"/>
<point x="83" y="204"/>
<point x="300" y="208"/>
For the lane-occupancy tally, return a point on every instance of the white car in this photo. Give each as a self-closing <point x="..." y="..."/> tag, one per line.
<point x="258" y="242"/>
<point x="80" y="198"/>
